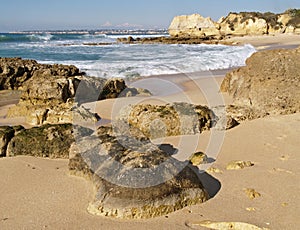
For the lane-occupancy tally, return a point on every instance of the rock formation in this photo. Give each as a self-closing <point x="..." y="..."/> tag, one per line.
<point x="193" y="25"/>
<point x="268" y="84"/>
<point x="168" y="120"/>
<point x="133" y="177"/>
<point x="51" y="141"/>
<point x="239" y="24"/>
<point x="54" y="93"/>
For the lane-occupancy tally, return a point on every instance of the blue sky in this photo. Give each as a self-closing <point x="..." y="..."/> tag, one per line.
<point x="16" y="15"/>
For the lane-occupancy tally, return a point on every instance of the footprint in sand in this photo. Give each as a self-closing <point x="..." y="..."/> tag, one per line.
<point x="284" y="157"/>
<point x="282" y="137"/>
<point x="280" y="170"/>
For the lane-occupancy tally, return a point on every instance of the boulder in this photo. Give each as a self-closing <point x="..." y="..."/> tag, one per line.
<point x="6" y="134"/>
<point x="54" y="93"/>
<point x="51" y="141"/>
<point x="268" y="84"/>
<point x="193" y="26"/>
<point x="157" y="121"/>
<point x="14" y="72"/>
<point x="132" y="177"/>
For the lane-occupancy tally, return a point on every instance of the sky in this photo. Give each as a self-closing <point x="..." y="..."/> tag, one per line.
<point x="20" y="15"/>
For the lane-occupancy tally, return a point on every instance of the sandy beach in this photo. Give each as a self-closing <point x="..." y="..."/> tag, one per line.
<point x="39" y="193"/>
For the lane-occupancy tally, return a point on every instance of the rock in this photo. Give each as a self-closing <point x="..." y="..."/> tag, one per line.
<point x="133" y="178"/>
<point x="243" y="24"/>
<point x="213" y="170"/>
<point x="251" y="193"/>
<point x="14" y="72"/>
<point x="132" y="92"/>
<point x="237" y="24"/>
<point x="112" y="88"/>
<point x="51" y="141"/>
<point x="225" y="225"/>
<point x="6" y="134"/>
<point x="235" y="165"/>
<point x="256" y="23"/>
<point x="224" y="121"/>
<point x="193" y="26"/>
<point x="54" y="93"/>
<point x="268" y="84"/>
<point x="168" y="120"/>
<point x="198" y="158"/>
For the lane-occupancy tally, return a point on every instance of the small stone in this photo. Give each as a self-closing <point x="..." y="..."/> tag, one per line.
<point x="251" y="209"/>
<point x="251" y="193"/>
<point x="213" y="170"/>
<point x="284" y="204"/>
<point x="235" y="165"/>
<point x="198" y="158"/>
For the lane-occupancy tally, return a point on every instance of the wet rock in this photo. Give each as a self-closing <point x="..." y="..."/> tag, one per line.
<point x="157" y="121"/>
<point x="235" y="165"/>
<point x="133" y="178"/>
<point x="268" y="85"/>
<point x="51" y="141"/>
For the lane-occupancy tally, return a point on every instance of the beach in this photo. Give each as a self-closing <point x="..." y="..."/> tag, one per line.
<point x="39" y="193"/>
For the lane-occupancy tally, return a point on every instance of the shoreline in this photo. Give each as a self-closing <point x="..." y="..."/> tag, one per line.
<point x="51" y="198"/>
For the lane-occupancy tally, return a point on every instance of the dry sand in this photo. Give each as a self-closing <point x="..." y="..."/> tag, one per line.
<point x="40" y="194"/>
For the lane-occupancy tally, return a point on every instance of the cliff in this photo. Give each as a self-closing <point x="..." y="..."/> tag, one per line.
<point x="239" y="24"/>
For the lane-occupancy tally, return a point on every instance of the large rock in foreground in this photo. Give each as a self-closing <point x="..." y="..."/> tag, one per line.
<point x="268" y="84"/>
<point x="133" y="177"/>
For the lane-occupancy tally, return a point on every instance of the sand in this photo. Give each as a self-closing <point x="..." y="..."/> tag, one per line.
<point x="40" y="194"/>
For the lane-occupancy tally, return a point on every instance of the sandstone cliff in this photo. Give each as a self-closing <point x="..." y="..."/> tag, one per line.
<point x="239" y="24"/>
<point x="193" y="25"/>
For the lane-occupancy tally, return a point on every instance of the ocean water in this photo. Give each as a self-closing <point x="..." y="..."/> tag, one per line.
<point x="121" y="60"/>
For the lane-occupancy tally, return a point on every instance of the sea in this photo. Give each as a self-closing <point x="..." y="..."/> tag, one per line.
<point x="114" y="59"/>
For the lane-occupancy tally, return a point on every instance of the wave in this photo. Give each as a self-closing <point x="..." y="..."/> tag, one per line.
<point x="128" y="61"/>
<point x="47" y="37"/>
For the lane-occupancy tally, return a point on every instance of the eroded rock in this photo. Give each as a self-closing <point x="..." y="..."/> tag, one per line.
<point x="54" y="93"/>
<point x="133" y="177"/>
<point x="268" y="84"/>
<point x="236" y="165"/>
<point x="157" y="121"/>
<point x="51" y="141"/>
<point x="193" y="25"/>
